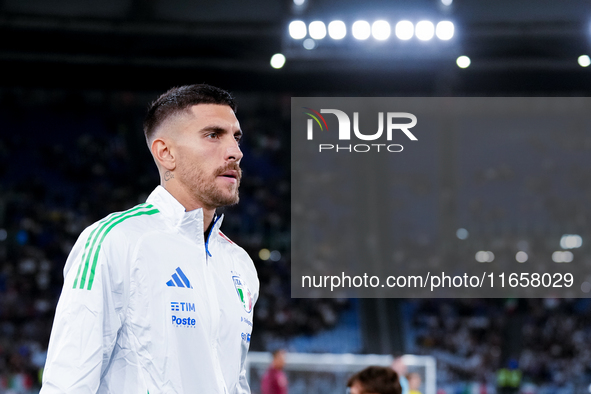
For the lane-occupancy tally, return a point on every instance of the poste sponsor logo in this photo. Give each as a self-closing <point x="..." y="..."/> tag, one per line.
<point x="183" y="321"/>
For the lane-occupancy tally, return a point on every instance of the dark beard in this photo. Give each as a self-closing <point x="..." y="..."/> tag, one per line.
<point x="210" y="194"/>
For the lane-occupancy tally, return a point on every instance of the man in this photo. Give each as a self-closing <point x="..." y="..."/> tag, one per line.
<point x="275" y="381"/>
<point x="157" y="299"/>
<point x="374" y="380"/>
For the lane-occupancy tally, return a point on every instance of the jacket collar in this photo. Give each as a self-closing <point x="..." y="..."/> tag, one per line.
<point x="189" y="223"/>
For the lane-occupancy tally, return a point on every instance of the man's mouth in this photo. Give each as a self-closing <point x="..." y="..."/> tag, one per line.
<point x="231" y="175"/>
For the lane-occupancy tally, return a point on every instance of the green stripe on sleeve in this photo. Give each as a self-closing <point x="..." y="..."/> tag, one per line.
<point x="101" y="228"/>
<point x="112" y="224"/>
<point x="87" y="244"/>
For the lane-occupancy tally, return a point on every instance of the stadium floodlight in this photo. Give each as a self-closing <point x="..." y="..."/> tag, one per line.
<point x="277" y="60"/>
<point x="275" y="255"/>
<point x="309" y="44"/>
<point x="462" y="233"/>
<point x="444" y="30"/>
<point x="521" y="257"/>
<point x="404" y="30"/>
<point x="380" y="30"/>
<point x="484" y="256"/>
<point x="361" y="30"/>
<point x="299" y="2"/>
<point x="463" y="61"/>
<point x="264" y="254"/>
<point x="571" y="241"/>
<point x="425" y="30"/>
<point x="444" y="2"/>
<point x="297" y="30"/>
<point x="337" y="30"/>
<point x="317" y="30"/>
<point x="584" y="61"/>
<point x="562" y="257"/>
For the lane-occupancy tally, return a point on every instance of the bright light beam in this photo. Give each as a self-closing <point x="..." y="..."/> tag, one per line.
<point x="297" y="30"/>
<point x="317" y="30"/>
<point x="445" y="30"/>
<point x="425" y="30"/>
<point x="277" y="61"/>
<point x="463" y="61"/>
<point x="361" y="30"/>
<point x="337" y="30"/>
<point x="380" y="30"/>
<point x="404" y="30"/>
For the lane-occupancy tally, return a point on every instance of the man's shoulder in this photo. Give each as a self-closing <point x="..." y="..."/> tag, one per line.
<point x="130" y="224"/>
<point x="116" y="234"/>
<point x="242" y="260"/>
<point x="226" y="240"/>
<point x="230" y="245"/>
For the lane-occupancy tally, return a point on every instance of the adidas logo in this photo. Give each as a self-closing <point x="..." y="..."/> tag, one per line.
<point x="179" y="280"/>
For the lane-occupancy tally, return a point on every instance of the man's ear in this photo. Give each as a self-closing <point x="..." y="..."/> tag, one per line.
<point x="161" y="150"/>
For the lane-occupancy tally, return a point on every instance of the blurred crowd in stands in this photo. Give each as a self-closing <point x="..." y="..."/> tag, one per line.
<point x="473" y="340"/>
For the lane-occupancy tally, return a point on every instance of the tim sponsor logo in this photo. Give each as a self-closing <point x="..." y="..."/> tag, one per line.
<point x="182" y="306"/>
<point x="392" y="124"/>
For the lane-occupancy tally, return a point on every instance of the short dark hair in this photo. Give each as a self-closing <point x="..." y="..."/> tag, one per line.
<point x="382" y="380"/>
<point x="181" y="98"/>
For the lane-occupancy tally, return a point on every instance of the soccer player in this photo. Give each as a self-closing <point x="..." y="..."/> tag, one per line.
<point x="157" y="299"/>
<point x="374" y="380"/>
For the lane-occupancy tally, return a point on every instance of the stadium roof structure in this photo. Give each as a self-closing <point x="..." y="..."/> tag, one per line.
<point x="529" y="46"/>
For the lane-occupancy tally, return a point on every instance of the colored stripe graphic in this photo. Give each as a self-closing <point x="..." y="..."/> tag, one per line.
<point x="224" y="237"/>
<point x="96" y="254"/>
<point x="321" y="117"/>
<point x="88" y="243"/>
<point x="183" y="277"/>
<point x="316" y="119"/>
<point x="93" y="238"/>
<point x="91" y="254"/>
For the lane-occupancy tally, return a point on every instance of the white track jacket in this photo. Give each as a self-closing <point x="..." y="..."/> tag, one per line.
<point x="150" y="306"/>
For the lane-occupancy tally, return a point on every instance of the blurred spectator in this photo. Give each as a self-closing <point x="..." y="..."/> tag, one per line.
<point x="509" y="379"/>
<point x="275" y="381"/>
<point x="414" y="383"/>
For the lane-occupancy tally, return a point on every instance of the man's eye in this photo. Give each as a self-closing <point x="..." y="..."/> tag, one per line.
<point x="212" y="135"/>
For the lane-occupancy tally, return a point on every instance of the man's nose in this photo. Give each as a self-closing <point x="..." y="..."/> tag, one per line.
<point x="233" y="152"/>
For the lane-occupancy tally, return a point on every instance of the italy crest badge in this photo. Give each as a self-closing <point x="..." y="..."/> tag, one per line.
<point x="243" y="293"/>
